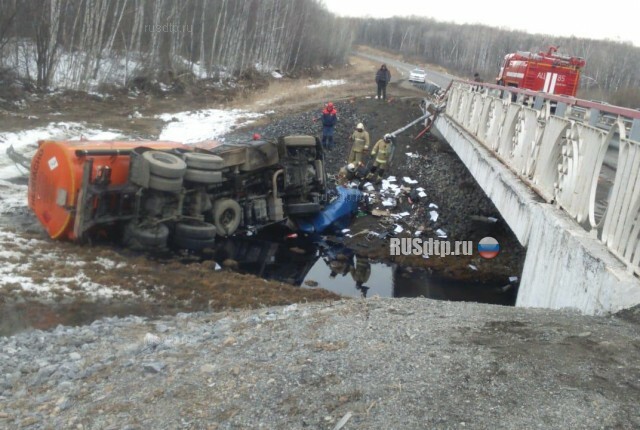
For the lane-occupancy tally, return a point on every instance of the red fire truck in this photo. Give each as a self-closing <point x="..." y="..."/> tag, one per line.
<point x="546" y="72"/>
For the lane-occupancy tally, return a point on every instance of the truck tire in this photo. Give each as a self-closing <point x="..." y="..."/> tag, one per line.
<point x="195" y="230"/>
<point x="203" y="176"/>
<point x="300" y="141"/>
<point x="198" y="160"/>
<point x="164" y="164"/>
<point x="303" y="208"/>
<point x="147" y="236"/>
<point x="193" y="244"/>
<point x="226" y="216"/>
<point x="159" y="183"/>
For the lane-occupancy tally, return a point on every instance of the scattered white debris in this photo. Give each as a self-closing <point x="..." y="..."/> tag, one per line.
<point x="422" y="194"/>
<point x="441" y="233"/>
<point x="389" y="203"/>
<point x="472" y="267"/>
<point x="217" y="267"/>
<point x="513" y="279"/>
<point x="433" y="205"/>
<point x="276" y="75"/>
<point x="418" y="233"/>
<point x="398" y="229"/>
<point x="346" y="230"/>
<point x="412" y="155"/>
<point x="409" y="180"/>
<point x="403" y="214"/>
<point x="492" y="219"/>
<point x="433" y="216"/>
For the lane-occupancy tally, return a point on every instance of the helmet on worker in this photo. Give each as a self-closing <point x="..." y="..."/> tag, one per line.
<point x="330" y="106"/>
<point x="360" y="127"/>
<point x="387" y="137"/>
<point x="351" y="167"/>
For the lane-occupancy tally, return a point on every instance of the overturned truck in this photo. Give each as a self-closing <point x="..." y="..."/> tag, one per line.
<point x="154" y="194"/>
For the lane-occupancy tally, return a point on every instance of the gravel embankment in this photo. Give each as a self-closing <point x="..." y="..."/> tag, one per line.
<point x="377" y="363"/>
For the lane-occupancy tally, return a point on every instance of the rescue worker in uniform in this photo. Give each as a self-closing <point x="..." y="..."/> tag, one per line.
<point x="381" y="151"/>
<point x="351" y="172"/>
<point x="361" y="273"/>
<point x="360" y="139"/>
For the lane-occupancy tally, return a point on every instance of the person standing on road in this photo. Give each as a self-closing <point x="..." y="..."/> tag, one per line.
<point x="383" y="77"/>
<point x="360" y="139"/>
<point x="329" y="120"/>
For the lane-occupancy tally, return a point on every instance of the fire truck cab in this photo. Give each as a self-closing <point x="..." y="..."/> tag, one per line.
<point x="546" y="72"/>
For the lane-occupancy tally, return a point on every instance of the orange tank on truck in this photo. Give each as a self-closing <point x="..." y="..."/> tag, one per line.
<point x="155" y="194"/>
<point x="546" y="72"/>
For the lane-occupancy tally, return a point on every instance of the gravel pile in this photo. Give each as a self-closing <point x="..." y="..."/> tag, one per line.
<point x="353" y="364"/>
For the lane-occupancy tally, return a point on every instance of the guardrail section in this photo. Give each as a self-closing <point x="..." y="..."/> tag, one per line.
<point x="583" y="156"/>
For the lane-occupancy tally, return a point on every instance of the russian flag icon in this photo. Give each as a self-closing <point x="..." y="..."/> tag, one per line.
<point x="488" y="247"/>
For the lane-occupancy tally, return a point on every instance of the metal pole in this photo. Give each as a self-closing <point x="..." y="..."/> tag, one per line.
<point x="400" y="130"/>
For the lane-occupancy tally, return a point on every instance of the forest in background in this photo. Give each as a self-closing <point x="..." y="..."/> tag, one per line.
<point x="81" y="44"/>
<point x="612" y="72"/>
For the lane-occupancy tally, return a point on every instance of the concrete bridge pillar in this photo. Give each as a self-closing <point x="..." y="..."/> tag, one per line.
<point x="565" y="266"/>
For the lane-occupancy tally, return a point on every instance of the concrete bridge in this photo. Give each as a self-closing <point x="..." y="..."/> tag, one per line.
<point x="565" y="175"/>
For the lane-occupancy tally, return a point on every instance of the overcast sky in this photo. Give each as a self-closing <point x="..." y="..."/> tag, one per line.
<point x="614" y="19"/>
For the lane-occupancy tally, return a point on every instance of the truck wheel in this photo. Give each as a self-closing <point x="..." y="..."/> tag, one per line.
<point x="171" y="185"/>
<point x="203" y="176"/>
<point x="193" y="244"/>
<point x="195" y="230"/>
<point x="226" y="216"/>
<point x="147" y="236"/>
<point x="197" y="160"/>
<point x="164" y="164"/>
<point x="303" y="208"/>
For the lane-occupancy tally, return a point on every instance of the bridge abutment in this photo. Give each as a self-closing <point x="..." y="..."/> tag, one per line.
<point x="565" y="267"/>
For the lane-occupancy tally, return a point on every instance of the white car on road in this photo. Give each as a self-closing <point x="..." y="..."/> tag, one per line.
<point x="418" y="75"/>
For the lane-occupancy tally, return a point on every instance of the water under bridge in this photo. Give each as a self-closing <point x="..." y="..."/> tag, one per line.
<point x="565" y="175"/>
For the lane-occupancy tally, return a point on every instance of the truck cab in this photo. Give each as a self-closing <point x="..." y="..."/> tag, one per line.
<point x="546" y="72"/>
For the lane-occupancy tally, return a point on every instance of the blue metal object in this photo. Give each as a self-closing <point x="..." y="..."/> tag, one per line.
<point x="336" y="215"/>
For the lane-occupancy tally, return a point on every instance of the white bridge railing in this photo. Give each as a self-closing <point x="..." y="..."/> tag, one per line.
<point x="583" y="156"/>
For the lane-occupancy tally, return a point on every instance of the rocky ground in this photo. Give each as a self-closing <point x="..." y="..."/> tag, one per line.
<point x="354" y="364"/>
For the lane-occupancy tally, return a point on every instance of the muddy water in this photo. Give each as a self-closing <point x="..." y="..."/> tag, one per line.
<point x="301" y="262"/>
<point x="335" y="267"/>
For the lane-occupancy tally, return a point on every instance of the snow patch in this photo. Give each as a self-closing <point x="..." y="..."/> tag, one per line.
<point x="327" y="83"/>
<point x="26" y="141"/>
<point x="19" y="273"/>
<point x="196" y="126"/>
